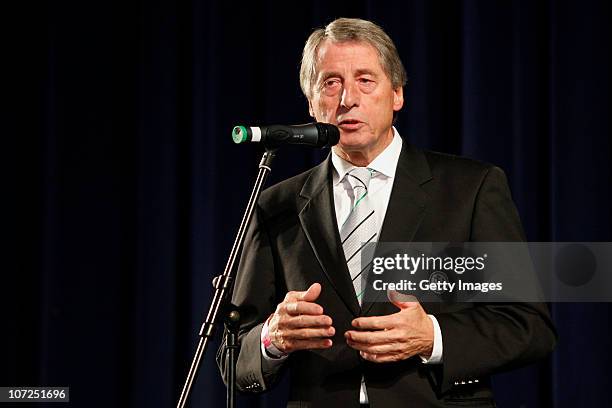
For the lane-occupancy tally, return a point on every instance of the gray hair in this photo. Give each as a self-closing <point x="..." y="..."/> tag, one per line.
<point x="351" y="29"/>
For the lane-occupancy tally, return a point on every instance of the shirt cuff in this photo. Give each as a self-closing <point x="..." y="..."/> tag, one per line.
<point x="436" y="353"/>
<point x="268" y="351"/>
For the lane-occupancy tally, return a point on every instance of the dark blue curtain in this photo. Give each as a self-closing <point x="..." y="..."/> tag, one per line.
<point x="126" y="188"/>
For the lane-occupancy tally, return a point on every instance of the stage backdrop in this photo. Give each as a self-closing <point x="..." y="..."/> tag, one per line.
<point x="127" y="188"/>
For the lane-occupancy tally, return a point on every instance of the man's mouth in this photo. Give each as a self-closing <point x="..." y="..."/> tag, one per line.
<point x="350" y="124"/>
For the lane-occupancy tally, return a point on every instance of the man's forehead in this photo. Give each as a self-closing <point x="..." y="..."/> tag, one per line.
<point x="336" y="51"/>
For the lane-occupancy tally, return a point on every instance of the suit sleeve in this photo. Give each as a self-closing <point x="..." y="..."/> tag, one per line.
<point x="255" y="295"/>
<point x="488" y="338"/>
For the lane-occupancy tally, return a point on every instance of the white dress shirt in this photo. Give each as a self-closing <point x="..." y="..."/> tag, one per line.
<point x="379" y="192"/>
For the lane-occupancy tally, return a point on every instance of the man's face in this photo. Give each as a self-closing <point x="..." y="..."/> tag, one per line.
<point x="353" y="92"/>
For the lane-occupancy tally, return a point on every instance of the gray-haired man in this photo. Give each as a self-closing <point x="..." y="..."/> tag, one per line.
<point x="297" y="284"/>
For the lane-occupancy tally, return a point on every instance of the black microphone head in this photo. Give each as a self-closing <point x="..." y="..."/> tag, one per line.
<point x="329" y="135"/>
<point x="310" y="134"/>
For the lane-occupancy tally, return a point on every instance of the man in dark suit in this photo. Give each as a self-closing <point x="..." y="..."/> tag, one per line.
<point x="297" y="284"/>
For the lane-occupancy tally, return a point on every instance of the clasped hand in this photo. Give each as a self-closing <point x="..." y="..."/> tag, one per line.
<point x="395" y="337"/>
<point x="300" y="324"/>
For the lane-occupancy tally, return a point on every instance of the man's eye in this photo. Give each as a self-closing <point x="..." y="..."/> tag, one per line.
<point x="365" y="80"/>
<point x="330" y="83"/>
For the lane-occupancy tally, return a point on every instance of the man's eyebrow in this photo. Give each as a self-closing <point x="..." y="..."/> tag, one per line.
<point x="329" y="74"/>
<point x="365" y="71"/>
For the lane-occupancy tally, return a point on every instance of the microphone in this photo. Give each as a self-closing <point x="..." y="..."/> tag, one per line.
<point x="311" y="134"/>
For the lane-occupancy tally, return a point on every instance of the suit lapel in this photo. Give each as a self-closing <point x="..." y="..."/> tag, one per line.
<point x="318" y="219"/>
<point x="406" y="208"/>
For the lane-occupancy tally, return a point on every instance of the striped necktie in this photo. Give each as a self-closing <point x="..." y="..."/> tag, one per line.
<point x="359" y="228"/>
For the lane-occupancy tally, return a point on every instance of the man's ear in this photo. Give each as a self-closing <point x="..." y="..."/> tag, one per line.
<point x="310" y="110"/>
<point x="398" y="98"/>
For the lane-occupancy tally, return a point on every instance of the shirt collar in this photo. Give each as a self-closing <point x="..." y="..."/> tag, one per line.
<point x="385" y="163"/>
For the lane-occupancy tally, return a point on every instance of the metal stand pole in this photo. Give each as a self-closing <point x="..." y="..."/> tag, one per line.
<point x="232" y="324"/>
<point x="223" y="287"/>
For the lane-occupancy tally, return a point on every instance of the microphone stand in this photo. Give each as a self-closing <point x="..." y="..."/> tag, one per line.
<point x="223" y="285"/>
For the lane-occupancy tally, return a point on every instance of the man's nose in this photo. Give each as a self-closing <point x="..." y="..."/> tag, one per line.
<point x="350" y="96"/>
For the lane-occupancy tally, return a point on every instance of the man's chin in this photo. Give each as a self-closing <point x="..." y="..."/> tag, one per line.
<point x="350" y="147"/>
<point x="353" y="140"/>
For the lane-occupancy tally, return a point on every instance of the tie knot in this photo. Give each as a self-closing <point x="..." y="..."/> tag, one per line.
<point x="359" y="177"/>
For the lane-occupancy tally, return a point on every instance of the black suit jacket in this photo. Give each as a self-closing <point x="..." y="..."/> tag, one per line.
<point x="293" y="242"/>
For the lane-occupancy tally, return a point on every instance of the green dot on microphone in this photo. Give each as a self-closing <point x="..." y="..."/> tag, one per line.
<point x="239" y="134"/>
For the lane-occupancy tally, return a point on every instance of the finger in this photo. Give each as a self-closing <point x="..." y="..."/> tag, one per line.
<point x="401" y="300"/>
<point x="300" y="307"/>
<point x="312" y="293"/>
<point x="306" y="334"/>
<point x="373" y="337"/>
<point x="382" y="358"/>
<point x="294" y="295"/>
<point x="374" y="322"/>
<point x="309" y="295"/>
<point x="389" y="348"/>
<point x="304" y="320"/>
<point x="293" y="345"/>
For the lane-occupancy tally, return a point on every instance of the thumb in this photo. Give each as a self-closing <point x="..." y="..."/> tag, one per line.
<point x="402" y="300"/>
<point x="312" y="293"/>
